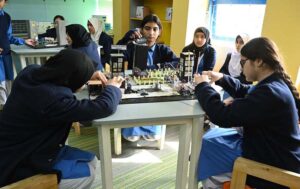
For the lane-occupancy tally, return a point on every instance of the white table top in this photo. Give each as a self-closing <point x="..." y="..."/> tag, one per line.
<point x="153" y="111"/>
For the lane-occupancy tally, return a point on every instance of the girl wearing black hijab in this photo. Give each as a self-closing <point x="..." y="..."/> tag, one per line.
<point x="36" y="120"/>
<point x="78" y="38"/>
<point x="205" y="55"/>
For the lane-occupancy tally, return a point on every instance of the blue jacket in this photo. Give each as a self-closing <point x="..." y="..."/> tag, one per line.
<point x="207" y="62"/>
<point x="162" y="54"/>
<point x="36" y="121"/>
<point x="105" y="41"/>
<point x="92" y="51"/>
<point x="268" y="115"/>
<point x="6" y="38"/>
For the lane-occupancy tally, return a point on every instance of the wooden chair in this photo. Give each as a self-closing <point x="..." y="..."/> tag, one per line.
<point x="76" y="126"/>
<point x="38" y="181"/>
<point x="243" y="167"/>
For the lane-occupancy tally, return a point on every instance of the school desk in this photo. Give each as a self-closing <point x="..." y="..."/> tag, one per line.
<point x="186" y="113"/>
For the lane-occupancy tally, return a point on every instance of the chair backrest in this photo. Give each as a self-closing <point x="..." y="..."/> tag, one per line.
<point x="38" y="181"/>
<point x="243" y="167"/>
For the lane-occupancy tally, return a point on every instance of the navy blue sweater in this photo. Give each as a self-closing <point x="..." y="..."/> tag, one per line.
<point x="162" y="54"/>
<point x="36" y="121"/>
<point x="268" y="115"/>
<point x="92" y="52"/>
<point x="105" y="41"/>
<point x="4" y="40"/>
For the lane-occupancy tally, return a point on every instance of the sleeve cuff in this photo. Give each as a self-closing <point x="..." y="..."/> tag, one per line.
<point x="200" y="86"/>
<point x="22" y="41"/>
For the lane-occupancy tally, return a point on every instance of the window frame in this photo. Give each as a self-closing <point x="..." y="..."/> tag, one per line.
<point x="213" y="13"/>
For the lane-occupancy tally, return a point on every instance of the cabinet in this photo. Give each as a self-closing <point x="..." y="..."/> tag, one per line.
<point x="157" y="7"/>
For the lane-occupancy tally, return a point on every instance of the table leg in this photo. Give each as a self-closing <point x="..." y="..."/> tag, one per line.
<point x="161" y="141"/>
<point x="14" y="59"/>
<point x="105" y="157"/>
<point x="197" y="133"/>
<point x="183" y="156"/>
<point x="38" y="60"/>
<point x="23" y="62"/>
<point x="118" y="141"/>
<point x="31" y="60"/>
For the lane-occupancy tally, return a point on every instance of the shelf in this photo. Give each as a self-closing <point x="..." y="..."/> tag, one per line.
<point x="156" y="7"/>
<point x="166" y="21"/>
<point x="140" y="19"/>
<point x="135" y="18"/>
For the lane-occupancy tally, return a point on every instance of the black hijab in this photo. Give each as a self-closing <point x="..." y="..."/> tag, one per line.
<point x="206" y="33"/>
<point x="69" y="68"/>
<point x="79" y="35"/>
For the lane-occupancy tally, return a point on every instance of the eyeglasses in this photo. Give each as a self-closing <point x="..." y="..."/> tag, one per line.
<point x="243" y="62"/>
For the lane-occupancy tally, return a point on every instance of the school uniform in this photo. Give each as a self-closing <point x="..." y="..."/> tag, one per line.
<point x="157" y="54"/>
<point x="91" y="50"/>
<point x="269" y="118"/>
<point x="233" y="67"/>
<point x="6" y="65"/>
<point x="205" y="57"/>
<point x="81" y="41"/>
<point x="36" y="121"/>
<point x="160" y="54"/>
<point x="105" y="41"/>
<point x="101" y="38"/>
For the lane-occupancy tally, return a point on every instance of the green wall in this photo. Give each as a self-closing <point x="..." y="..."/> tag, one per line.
<point x="74" y="11"/>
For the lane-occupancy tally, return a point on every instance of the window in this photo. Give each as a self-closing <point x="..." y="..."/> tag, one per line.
<point x="231" y="17"/>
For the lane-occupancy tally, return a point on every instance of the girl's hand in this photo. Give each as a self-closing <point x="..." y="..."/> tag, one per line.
<point x="201" y="78"/>
<point x="213" y="76"/>
<point x="136" y="34"/>
<point x="115" y="81"/>
<point x="228" y="101"/>
<point x="30" y="42"/>
<point x="99" y="76"/>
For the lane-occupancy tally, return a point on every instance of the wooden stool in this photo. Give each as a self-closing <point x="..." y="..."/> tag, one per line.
<point x="76" y="126"/>
<point x="38" y="181"/>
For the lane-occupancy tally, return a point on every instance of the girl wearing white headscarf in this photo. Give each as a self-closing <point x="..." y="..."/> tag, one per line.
<point x="232" y="64"/>
<point x="101" y="38"/>
<point x="95" y="29"/>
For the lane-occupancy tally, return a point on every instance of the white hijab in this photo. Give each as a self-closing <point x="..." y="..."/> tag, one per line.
<point x="234" y="66"/>
<point x="96" y="23"/>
